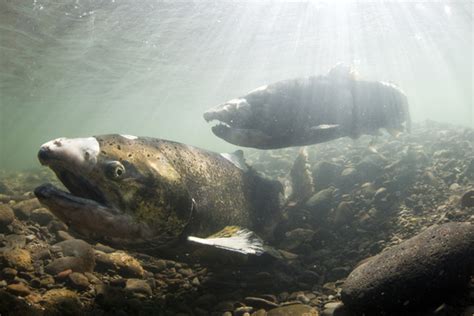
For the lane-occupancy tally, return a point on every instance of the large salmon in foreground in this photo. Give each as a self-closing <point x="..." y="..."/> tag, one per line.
<point x="140" y="192"/>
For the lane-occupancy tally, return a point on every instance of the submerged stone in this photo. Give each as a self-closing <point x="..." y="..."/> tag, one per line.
<point x="420" y="272"/>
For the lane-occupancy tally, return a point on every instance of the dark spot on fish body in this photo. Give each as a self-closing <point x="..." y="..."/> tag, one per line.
<point x="119" y="147"/>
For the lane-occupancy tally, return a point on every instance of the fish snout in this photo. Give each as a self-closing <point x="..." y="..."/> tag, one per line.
<point x="71" y="153"/>
<point x="44" y="154"/>
<point x="209" y="115"/>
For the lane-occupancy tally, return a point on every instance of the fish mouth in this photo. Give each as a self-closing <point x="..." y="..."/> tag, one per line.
<point x="91" y="218"/>
<point x="77" y="212"/>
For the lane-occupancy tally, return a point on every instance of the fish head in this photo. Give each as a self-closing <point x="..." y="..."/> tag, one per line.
<point x="235" y="112"/>
<point x="120" y="188"/>
<point x="238" y="120"/>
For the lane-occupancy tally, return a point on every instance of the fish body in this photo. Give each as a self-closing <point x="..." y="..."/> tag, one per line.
<point x="310" y="110"/>
<point x="140" y="192"/>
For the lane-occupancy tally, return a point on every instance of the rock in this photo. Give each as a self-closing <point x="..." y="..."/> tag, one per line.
<point x="104" y="248"/>
<point x="243" y="310"/>
<point x="334" y="309"/>
<point x="467" y="199"/>
<point x="344" y="214"/>
<point x="259" y="303"/>
<point x="138" y="286"/>
<point x="260" y="312"/>
<point x="13" y="305"/>
<point x="295" y="309"/>
<point x="9" y="273"/>
<point x="159" y="265"/>
<point x="79" y="257"/>
<point x="92" y="278"/>
<point x="42" y="216"/>
<point x="68" y="263"/>
<point x="321" y="202"/>
<point x="325" y="174"/>
<point x="296" y="237"/>
<point x="370" y="167"/>
<point x="76" y="248"/>
<point x="15" y="241"/>
<point x="24" y="208"/>
<point x="18" y="289"/>
<point x="19" y="259"/>
<point x="6" y="217"/>
<point x="64" y="235"/>
<point x="79" y="280"/>
<point x="396" y="279"/>
<point x="47" y="281"/>
<point x="348" y="178"/>
<point x="54" y="226"/>
<point x="62" y="302"/>
<point x="125" y="264"/>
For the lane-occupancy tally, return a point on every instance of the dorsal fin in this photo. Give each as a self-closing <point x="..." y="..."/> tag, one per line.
<point x="237" y="159"/>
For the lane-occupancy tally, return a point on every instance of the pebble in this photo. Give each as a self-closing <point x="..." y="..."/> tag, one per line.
<point x="259" y="303"/>
<point x="18" y="289"/>
<point x="334" y="309"/>
<point x="62" y="302"/>
<point x="296" y="237"/>
<point x="46" y="281"/>
<point x="343" y="214"/>
<point x="6" y="217"/>
<point x="79" y="280"/>
<point x="63" y="235"/>
<point x="138" y="286"/>
<point x="104" y="248"/>
<point x="294" y="309"/>
<point x="324" y="174"/>
<point x="24" y="208"/>
<point x="125" y="264"/>
<point x="19" y="259"/>
<point x="9" y="273"/>
<point x="241" y="311"/>
<point x="68" y="263"/>
<point x="42" y="216"/>
<point x="321" y="202"/>
<point x="15" y="241"/>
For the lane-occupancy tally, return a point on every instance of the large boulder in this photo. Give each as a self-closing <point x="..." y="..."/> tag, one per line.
<point x="416" y="274"/>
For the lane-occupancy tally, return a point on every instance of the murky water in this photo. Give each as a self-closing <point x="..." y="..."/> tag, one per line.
<point x="79" y="68"/>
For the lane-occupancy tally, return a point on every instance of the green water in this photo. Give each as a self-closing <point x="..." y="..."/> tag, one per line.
<point x="79" y="68"/>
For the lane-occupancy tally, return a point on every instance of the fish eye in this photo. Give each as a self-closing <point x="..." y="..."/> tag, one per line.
<point x="114" y="170"/>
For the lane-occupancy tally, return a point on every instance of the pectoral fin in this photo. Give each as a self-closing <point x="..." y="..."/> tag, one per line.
<point x="237" y="159"/>
<point x="233" y="238"/>
<point x="325" y="132"/>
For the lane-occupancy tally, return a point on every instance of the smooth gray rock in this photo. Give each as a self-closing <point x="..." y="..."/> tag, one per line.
<point x="418" y="273"/>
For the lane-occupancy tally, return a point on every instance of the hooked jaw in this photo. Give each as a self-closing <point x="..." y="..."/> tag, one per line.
<point x="89" y="217"/>
<point x="235" y="124"/>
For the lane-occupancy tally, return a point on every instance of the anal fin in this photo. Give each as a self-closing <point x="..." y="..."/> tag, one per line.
<point x="235" y="239"/>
